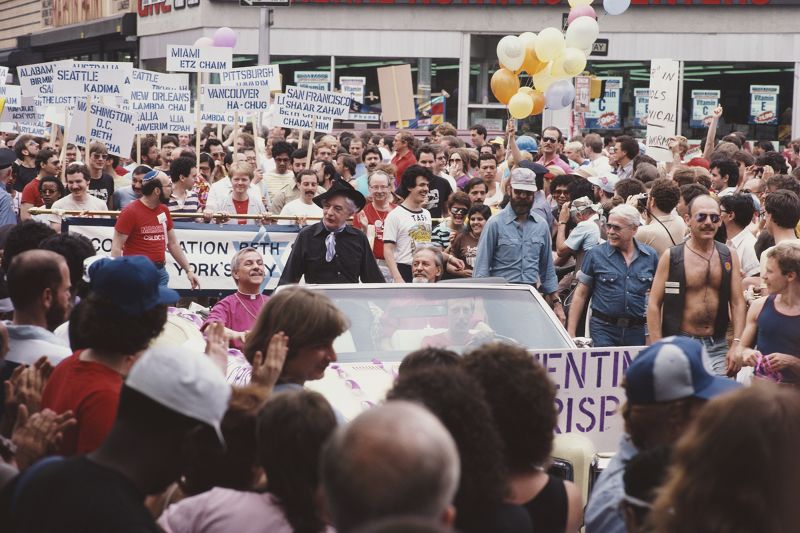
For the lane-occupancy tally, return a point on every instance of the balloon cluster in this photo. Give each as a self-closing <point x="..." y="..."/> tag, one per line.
<point x="223" y="38"/>
<point x="550" y="58"/>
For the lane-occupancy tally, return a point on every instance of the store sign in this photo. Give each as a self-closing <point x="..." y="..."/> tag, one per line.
<point x="764" y="104"/>
<point x="703" y="105"/>
<point x="676" y="3"/>
<point x="641" y="98"/>
<point x="148" y="8"/>
<point x="313" y="79"/>
<point x="662" y="109"/>
<point x="604" y="111"/>
<point x="583" y="89"/>
<point x="353" y="86"/>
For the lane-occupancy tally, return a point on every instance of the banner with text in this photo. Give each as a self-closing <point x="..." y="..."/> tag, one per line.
<point x="92" y="79"/>
<point x="113" y="127"/>
<point x="145" y="80"/>
<point x="313" y="79"/>
<point x="233" y="98"/>
<point x="764" y="104"/>
<point x="353" y="86"/>
<point x="662" y="109"/>
<point x="209" y="249"/>
<point x="641" y="98"/>
<point x="36" y="80"/>
<point x="159" y="121"/>
<point x="260" y="75"/>
<point x="161" y="100"/>
<point x="12" y="94"/>
<point x="604" y="111"/>
<point x="703" y="104"/>
<point x="193" y="59"/>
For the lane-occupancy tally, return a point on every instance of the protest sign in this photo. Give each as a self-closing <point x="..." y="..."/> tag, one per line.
<point x="3" y="75"/>
<point x="703" y="104"/>
<point x="30" y="129"/>
<point x="764" y="104"/>
<point x="160" y="100"/>
<point x="641" y="99"/>
<point x="209" y="249"/>
<point x="26" y="114"/>
<point x="113" y="127"/>
<point x="36" y="80"/>
<point x="397" y="93"/>
<point x="604" y="111"/>
<point x="313" y="79"/>
<point x="217" y="118"/>
<point x="12" y="95"/>
<point x="582" y="94"/>
<point x="286" y="117"/>
<point x="662" y="108"/>
<point x="95" y="78"/>
<point x="145" y="80"/>
<point x="233" y="98"/>
<point x="193" y="59"/>
<point x="161" y="121"/>
<point x="319" y="103"/>
<point x="588" y="384"/>
<point x="260" y="75"/>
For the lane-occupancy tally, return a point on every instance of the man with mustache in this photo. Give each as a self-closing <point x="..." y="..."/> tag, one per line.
<point x="697" y="290"/>
<point x="78" y="198"/>
<point x="303" y="206"/>
<point x="238" y="311"/>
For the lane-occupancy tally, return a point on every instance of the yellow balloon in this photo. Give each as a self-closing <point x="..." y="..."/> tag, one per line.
<point x="504" y="85"/>
<point x="538" y="102"/>
<point x="549" y="44"/>
<point x="526" y="90"/>
<point x="557" y="69"/>
<point x="543" y="79"/>
<point x="520" y="105"/>
<point x="573" y="61"/>
<point x="576" y="3"/>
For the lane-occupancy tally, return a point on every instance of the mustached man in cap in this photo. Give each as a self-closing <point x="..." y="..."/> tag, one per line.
<point x="331" y="251"/>
<point x="666" y="386"/>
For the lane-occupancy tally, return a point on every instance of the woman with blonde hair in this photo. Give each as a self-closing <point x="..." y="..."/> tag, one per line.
<point x="239" y="201"/>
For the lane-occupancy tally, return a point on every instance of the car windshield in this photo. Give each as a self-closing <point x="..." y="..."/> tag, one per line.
<point x="386" y="324"/>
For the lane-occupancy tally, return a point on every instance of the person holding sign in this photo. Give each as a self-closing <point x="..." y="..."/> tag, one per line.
<point x="145" y="228"/>
<point x="243" y="199"/>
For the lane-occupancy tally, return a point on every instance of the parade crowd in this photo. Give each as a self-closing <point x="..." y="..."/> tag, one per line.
<point x="103" y="428"/>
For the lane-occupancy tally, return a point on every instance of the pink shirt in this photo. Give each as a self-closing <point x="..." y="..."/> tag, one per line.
<point x="237" y="312"/>
<point x="558" y="162"/>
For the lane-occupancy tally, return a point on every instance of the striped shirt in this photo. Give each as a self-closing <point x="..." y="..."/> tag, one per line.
<point x="190" y="204"/>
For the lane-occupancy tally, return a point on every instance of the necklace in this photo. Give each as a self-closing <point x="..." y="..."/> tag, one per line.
<point x="261" y="301"/>
<point x="709" y="318"/>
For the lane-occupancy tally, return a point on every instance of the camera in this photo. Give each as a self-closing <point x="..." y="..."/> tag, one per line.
<point x="641" y="201"/>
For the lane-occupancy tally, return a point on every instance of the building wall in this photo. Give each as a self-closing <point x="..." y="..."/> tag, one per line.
<point x="18" y="17"/>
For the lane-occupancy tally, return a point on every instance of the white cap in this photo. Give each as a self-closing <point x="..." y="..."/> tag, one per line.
<point x="185" y="381"/>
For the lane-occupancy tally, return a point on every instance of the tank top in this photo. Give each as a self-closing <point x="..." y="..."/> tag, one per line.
<point x="778" y="333"/>
<point x="548" y="510"/>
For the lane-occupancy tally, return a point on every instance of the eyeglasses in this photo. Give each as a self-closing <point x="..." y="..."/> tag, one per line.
<point x="701" y="217"/>
<point x="452" y="159"/>
<point x="458" y="211"/>
<point x="99" y="156"/>
<point x="549" y="140"/>
<point x="615" y="228"/>
<point x="559" y="192"/>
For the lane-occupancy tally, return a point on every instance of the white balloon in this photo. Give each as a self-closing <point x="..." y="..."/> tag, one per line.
<point x="528" y="40"/>
<point x="582" y="33"/>
<point x="576" y="3"/>
<point x="573" y="61"/>
<point x="511" y="52"/>
<point x="616" y="7"/>
<point x="550" y="44"/>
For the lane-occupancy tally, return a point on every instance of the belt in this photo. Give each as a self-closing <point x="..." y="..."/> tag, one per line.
<point x="160" y="264"/>
<point x="621" y="322"/>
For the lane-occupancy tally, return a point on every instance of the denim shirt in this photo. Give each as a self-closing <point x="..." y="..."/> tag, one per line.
<point x="519" y="253"/>
<point x="602" y="513"/>
<point x="618" y="289"/>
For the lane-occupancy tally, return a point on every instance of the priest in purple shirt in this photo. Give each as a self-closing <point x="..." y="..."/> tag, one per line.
<point x="238" y="312"/>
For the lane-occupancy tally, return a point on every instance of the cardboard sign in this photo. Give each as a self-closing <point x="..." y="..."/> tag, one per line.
<point x="764" y="104"/>
<point x="397" y="93"/>
<point x="113" y="127"/>
<point x="703" y="104"/>
<point x="209" y="249"/>
<point x="231" y="98"/>
<point x="604" y="111"/>
<point x="260" y="75"/>
<point x="641" y="99"/>
<point x="12" y="95"/>
<point x="291" y="115"/>
<point x="30" y="129"/>
<point x="146" y="80"/>
<point x="662" y="109"/>
<point x="72" y="79"/>
<point x="160" y="100"/>
<point x="36" y="80"/>
<point x="193" y="59"/>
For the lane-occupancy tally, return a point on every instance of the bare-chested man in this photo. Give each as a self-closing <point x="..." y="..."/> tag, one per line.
<point x="697" y="290"/>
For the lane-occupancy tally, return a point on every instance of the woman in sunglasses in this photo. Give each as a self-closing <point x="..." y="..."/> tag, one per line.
<point x="443" y="233"/>
<point x="465" y="245"/>
<point x="458" y="166"/>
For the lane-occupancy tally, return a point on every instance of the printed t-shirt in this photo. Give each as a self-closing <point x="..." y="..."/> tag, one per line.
<point x="378" y="220"/>
<point x="407" y="229"/>
<point x="146" y="230"/>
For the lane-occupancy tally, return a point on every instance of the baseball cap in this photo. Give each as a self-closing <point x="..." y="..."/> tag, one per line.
<point x="498" y="140"/>
<point x="607" y="182"/>
<point x="185" y="381"/>
<point x="527" y="143"/>
<point x="671" y="369"/>
<point x="523" y="179"/>
<point x="130" y="283"/>
<point x="7" y="158"/>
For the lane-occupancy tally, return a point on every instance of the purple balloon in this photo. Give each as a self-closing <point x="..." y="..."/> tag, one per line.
<point x="225" y="37"/>
<point x="559" y="95"/>
<point x="581" y="11"/>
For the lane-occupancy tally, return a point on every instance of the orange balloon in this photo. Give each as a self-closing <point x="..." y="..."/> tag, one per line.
<point x="532" y="65"/>
<point x="538" y="102"/>
<point x="504" y="85"/>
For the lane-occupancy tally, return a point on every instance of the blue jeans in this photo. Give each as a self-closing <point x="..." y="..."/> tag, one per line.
<point x="717" y="353"/>
<point x="163" y="276"/>
<point x="605" y="334"/>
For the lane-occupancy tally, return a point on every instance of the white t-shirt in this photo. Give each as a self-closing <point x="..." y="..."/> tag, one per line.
<point x="297" y="208"/>
<point x="745" y="245"/>
<point x="68" y="203"/>
<point x="494" y="198"/>
<point x="220" y="191"/>
<point x="407" y="229"/>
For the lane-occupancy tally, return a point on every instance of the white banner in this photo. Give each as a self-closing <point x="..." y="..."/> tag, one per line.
<point x="36" y="80"/>
<point x="193" y="59"/>
<point x="28" y="114"/>
<point x="164" y="122"/>
<point x="3" y="75"/>
<point x="145" y="80"/>
<point x="12" y="94"/>
<point x="313" y="79"/>
<point x="113" y="127"/>
<point x="30" y="129"/>
<point x="288" y="116"/>
<point x="209" y="117"/>
<point x="209" y="249"/>
<point x="231" y="98"/>
<point x="160" y="100"/>
<point x="662" y="108"/>
<point x="322" y="104"/>
<point x="72" y="81"/>
<point x="260" y="75"/>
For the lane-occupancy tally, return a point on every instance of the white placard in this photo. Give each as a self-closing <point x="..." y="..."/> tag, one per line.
<point x="30" y="129"/>
<point x="290" y="116"/>
<point x="662" y="108"/>
<point x="158" y="100"/>
<point x="113" y="127"/>
<point x="37" y="79"/>
<point x="318" y="103"/>
<point x="55" y="114"/>
<point x="267" y="75"/>
<point x="74" y="79"/>
<point x="160" y="121"/>
<point x="3" y="75"/>
<point x="12" y="94"/>
<point x="231" y="98"/>
<point x="211" y="117"/>
<point x="145" y="80"/>
<point x="193" y="59"/>
<point x="313" y="79"/>
<point x="26" y="114"/>
<point x="353" y="86"/>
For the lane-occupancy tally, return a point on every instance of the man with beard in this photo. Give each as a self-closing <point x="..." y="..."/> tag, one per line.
<point x="238" y="311"/>
<point x="303" y="206"/>
<point x="39" y="287"/>
<point x="427" y="265"/>
<point x="145" y="228"/>
<point x="515" y="244"/>
<point x="125" y="195"/>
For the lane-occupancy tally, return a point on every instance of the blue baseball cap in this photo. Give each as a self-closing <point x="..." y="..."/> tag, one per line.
<point x="672" y="369"/>
<point x="130" y="283"/>
<point x="527" y="143"/>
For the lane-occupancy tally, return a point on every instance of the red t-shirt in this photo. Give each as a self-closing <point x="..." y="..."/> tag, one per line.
<point x="377" y="219"/>
<point x="30" y="194"/>
<point x="146" y="230"/>
<point x="401" y="164"/>
<point x="241" y="207"/>
<point x="91" y="391"/>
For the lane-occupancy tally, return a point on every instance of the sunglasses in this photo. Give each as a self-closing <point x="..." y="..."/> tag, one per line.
<point x="453" y="159"/>
<point x="549" y="140"/>
<point x="99" y="156"/>
<point x="458" y="211"/>
<point x="701" y="217"/>
<point x="615" y="227"/>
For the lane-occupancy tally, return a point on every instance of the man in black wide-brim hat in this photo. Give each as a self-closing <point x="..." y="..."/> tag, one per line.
<point x="331" y="251"/>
